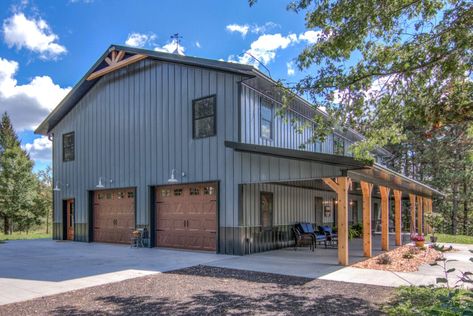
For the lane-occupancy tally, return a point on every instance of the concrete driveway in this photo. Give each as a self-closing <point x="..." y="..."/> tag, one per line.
<point x="35" y="268"/>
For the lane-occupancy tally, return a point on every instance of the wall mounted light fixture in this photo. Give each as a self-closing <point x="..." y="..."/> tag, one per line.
<point x="173" y="178"/>
<point x="100" y="185"/>
<point x="57" y="187"/>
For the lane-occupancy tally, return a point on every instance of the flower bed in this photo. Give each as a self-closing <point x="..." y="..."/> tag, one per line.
<point x="406" y="258"/>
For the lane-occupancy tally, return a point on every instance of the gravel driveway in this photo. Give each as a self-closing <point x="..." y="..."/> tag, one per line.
<point x="203" y="290"/>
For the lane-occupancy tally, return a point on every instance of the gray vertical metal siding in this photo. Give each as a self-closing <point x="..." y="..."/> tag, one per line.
<point x="134" y="126"/>
<point x="291" y="205"/>
<point x="284" y="127"/>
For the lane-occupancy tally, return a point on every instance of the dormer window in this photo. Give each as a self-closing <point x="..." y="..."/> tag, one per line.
<point x="266" y="119"/>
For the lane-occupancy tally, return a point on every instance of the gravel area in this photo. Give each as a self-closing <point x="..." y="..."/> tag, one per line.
<point x="203" y="290"/>
<point x="406" y="258"/>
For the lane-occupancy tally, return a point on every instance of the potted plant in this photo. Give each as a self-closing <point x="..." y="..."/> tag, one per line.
<point x="419" y="240"/>
<point x="435" y="221"/>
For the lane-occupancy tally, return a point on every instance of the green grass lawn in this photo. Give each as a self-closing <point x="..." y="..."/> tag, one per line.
<point x="454" y="239"/>
<point x="23" y="235"/>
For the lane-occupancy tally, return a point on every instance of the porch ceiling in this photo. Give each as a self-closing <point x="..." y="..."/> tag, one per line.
<point x="355" y="169"/>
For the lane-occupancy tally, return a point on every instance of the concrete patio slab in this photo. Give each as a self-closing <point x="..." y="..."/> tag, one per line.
<point x="35" y="268"/>
<point x="302" y="262"/>
<point x="322" y="263"/>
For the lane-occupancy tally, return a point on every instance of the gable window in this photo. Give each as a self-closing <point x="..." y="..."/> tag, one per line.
<point x="266" y="119"/>
<point x="338" y="146"/>
<point x="204" y="117"/>
<point x="266" y="210"/>
<point x="68" y="147"/>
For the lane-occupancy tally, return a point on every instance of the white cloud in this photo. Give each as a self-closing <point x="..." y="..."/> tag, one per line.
<point x="290" y="68"/>
<point x="378" y="87"/>
<point x="39" y="149"/>
<point x="264" y="49"/>
<point x="171" y="47"/>
<point x="140" y="39"/>
<point x="311" y="37"/>
<point x="242" y="29"/>
<point x="34" y="35"/>
<point x="261" y="29"/>
<point x="27" y="104"/>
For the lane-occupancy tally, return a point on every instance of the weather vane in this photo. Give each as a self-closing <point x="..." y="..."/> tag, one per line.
<point x="177" y="38"/>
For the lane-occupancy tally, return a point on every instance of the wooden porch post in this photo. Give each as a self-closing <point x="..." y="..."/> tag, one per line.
<point x="426" y="211"/>
<point x="384" y="217"/>
<point x="412" y="199"/>
<point x="341" y="187"/>
<point x="419" y="215"/>
<point x="398" y="216"/>
<point x="366" y="189"/>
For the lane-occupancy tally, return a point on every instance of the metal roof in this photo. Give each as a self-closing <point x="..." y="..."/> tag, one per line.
<point x="84" y="85"/>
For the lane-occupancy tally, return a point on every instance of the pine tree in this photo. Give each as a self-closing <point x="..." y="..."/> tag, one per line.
<point x="18" y="185"/>
<point x="18" y="188"/>
<point x="8" y="137"/>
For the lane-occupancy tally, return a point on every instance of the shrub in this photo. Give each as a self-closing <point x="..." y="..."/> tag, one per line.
<point x="408" y="255"/>
<point x="431" y="301"/>
<point x="435" y="221"/>
<point x="355" y="231"/>
<point x="384" y="259"/>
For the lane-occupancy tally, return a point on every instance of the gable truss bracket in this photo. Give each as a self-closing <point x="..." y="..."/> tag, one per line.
<point x="115" y="61"/>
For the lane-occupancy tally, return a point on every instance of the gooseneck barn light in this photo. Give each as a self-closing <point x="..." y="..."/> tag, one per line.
<point x="57" y="187"/>
<point x="173" y="178"/>
<point x="100" y="185"/>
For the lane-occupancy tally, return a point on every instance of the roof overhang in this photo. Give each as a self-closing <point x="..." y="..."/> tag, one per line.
<point x="341" y="161"/>
<point x="355" y="169"/>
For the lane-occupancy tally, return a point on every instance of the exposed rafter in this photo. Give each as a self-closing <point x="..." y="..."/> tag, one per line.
<point x="115" y="61"/>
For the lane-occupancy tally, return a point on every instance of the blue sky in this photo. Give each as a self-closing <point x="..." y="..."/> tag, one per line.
<point x="47" y="46"/>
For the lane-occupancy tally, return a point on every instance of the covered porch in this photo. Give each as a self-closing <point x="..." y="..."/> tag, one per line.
<point x="301" y="262"/>
<point x="386" y="204"/>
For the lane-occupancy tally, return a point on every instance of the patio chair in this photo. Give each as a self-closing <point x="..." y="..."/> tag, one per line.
<point x="301" y="238"/>
<point x="319" y="237"/>
<point x="332" y="238"/>
<point x="137" y="238"/>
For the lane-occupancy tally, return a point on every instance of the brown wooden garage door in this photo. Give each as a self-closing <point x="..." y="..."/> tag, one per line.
<point x="187" y="216"/>
<point x="114" y="215"/>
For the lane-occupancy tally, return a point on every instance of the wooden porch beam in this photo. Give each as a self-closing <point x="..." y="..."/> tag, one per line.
<point x="367" y="189"/>
<point x="420" y="215"/>
<point x="398" y="216"/>
<point x="341" y="187"/>
<point x="384" y="217"/>
<point x="412" y="199"/>
<point x="116" y="66"/>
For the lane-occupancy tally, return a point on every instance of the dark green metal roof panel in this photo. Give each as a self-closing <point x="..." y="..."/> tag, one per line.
<point x="329" y="159"/>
